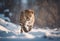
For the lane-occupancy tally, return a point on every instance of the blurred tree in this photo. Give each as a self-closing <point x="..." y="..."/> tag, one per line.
<point x="47" y="12"/>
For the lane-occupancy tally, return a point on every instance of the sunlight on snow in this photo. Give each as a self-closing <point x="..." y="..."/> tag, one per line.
<point x="11" y="27"/>
<point x="29" y="36"/>
<point x="4" y="29"/>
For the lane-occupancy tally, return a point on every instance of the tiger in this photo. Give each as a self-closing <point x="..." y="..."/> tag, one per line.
<point x="27" y="19"/>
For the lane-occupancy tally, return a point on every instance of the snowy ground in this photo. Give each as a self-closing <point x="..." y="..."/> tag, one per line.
<point x="11" y="32"/>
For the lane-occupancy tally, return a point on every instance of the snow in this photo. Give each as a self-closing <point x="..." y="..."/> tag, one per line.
<point x="4" y="29"/>
<point x="3" y="17"/>
<point x="34" y="34"/>
<point x="6" y="10"/>
<point x="10" y="26"/>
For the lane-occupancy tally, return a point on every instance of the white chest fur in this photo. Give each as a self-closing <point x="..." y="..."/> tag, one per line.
<point x="30" y="22"/>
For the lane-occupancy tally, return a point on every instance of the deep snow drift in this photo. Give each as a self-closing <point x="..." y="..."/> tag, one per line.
<point x="11" y="31"/>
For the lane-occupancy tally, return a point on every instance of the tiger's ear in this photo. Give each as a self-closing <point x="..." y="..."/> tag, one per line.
<point x="26" y="11"/>
<point x="32" y="12"/>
